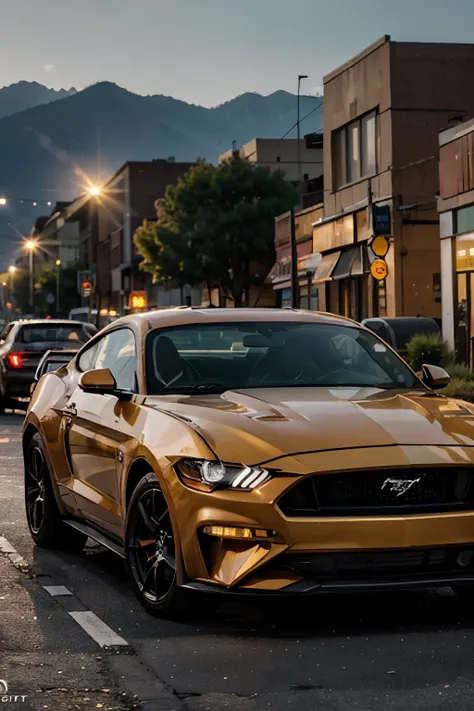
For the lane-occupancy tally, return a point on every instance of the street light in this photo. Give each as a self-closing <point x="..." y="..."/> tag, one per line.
<point x="94" y="191"/>
<point x="30" y="246"/>
<point x="58" y="264"/>
<point x="3" y="201"/>
<point x="300" y="77"/>
<point x="12" y="269"/>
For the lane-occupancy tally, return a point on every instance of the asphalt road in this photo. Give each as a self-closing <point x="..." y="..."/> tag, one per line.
<point x="405" y="652"/>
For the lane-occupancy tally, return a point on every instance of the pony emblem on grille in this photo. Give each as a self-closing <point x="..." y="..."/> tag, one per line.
<point x="399" y="486"/>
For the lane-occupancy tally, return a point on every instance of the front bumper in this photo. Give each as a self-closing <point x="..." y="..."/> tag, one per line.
<point x="304" y="556"/>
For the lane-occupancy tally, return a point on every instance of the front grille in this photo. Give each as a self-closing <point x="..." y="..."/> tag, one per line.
<point x="381" y="564"/>
<point x="387" y="492"/>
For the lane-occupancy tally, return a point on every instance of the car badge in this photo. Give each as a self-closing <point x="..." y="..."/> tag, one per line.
<point x="399" y="486"/>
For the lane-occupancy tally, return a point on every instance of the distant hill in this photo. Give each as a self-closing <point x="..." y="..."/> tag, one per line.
<point x="25" y="94"/>
<point x="47" y="148"/>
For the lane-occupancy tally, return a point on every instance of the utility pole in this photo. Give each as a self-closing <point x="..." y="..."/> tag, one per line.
<point x="295" y="287"/>
<point x="31" y="278"/>
<point x="58" y="267"/>
<point x="300" y="188"/>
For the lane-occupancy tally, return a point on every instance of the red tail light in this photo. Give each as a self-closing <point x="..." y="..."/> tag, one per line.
<point x="15" y="360"/>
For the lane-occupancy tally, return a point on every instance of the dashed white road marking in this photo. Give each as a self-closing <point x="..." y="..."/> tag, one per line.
<point x="101" y="633"/>
<point x="57" y="590"/>
<point x="98" y="630"/>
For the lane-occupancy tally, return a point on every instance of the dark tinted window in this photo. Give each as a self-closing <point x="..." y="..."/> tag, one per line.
<point x="52" y="334"/>
<point x="270" y="354"/>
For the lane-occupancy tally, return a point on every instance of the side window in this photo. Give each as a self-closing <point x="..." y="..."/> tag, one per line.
<point x="117" y="351"/>
<point x="87" y="359"/>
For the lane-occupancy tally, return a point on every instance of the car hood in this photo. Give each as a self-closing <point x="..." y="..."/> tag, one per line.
<point x="258" y="425"/>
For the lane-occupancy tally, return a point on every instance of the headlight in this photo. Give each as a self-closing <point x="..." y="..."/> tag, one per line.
<point x="206" y="475"/>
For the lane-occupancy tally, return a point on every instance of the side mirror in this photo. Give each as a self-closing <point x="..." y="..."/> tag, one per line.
<point x="435" y="377"/>
<point x="98" y="381"/>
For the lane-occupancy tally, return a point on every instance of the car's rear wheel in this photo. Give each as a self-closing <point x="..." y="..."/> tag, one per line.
<point x="151" y="551"/>
<point x="47" y="528"/>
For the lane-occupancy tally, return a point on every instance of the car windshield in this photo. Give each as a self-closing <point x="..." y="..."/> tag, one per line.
<point x="54" y="333"/>
<point x="223" y="356"/>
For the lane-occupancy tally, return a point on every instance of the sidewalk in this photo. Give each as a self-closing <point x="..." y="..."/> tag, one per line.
<point x="46" y="661"/>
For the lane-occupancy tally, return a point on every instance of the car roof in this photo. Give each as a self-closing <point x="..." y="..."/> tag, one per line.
<point x="188" y="315"/>
<point x="49" y="322"/>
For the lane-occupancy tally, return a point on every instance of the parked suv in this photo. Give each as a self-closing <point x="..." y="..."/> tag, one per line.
<point x="22" y="346"/>
<point x="399" y="331"/>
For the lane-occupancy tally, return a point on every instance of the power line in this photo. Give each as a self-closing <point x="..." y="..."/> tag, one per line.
<point x="301" y="120"/>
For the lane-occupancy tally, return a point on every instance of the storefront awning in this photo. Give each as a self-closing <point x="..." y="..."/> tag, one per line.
<point x="350" y="263"/>
<point x="326" y="266"/>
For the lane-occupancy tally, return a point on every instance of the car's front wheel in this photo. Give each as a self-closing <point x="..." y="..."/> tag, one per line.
<point x="46" y="525"/>
<point x="151" y="551"/>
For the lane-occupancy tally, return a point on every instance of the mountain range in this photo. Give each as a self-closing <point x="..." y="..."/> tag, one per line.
<point x="49" y="140"/>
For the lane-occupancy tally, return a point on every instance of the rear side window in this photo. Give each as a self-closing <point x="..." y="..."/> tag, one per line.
<point x="52" y="334"/>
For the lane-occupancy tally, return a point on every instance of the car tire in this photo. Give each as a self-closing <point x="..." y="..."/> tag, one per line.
<point x="46" y="525"/>
<point x="151" y="554"/>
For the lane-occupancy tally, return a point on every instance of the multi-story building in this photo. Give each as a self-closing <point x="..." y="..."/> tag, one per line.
<point x="57" y="239"/>
<point x="456" y="208"/>
<point x="280" y="275"/>
<point x="383" y="111"/>
<point x="124" y="202"/>
<point x="283" y="155"/>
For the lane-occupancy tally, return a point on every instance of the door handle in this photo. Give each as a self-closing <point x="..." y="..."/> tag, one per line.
<point x="70" y="410"/>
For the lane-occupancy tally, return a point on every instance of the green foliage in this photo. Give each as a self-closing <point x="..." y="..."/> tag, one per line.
<point x="216" y="227"/>
<point x="460" y="371"/>
<point x="429" y="349"/>
<point x="459" y="388"/>
<point x="46" y="283"/>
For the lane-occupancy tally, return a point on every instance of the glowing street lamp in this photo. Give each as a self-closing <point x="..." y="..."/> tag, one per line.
<point x="30" y="246"/>
<point x="3" y="201"/>
<point x="94" y="191"/>
<point x="12" y="269"/>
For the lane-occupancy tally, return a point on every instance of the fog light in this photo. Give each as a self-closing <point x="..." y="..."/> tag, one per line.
<point x="238" y="532"/>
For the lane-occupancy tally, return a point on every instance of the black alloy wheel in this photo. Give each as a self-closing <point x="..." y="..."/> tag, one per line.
<point x="150" y="546"/>
<point x="153" y="556"/>
<point x="35" y="471"/>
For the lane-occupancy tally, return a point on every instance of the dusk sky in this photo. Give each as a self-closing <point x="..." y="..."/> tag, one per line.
<point x="208" y="51"/>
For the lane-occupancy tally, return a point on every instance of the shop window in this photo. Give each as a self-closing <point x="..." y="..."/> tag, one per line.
<point x="465" y="219"/>
<point x="465" y="253"/>
<point x="355" y="150"/>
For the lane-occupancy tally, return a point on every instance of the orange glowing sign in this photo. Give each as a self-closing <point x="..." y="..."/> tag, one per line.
<point x="138" y="300"/>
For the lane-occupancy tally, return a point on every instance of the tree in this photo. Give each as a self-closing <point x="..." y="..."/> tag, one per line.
<point x="216" y="227"/>
<point x="46" y="283"/>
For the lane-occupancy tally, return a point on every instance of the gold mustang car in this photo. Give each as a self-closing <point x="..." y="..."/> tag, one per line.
<point x="251" y="452"/>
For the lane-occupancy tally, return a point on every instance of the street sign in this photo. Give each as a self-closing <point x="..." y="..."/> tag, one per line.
<point x="381" y="221"/>
<point x="379" y="269"/>
<point x="50" y="299"/>
<point x="380" y="246"/>
<point x="138" y="300"/>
